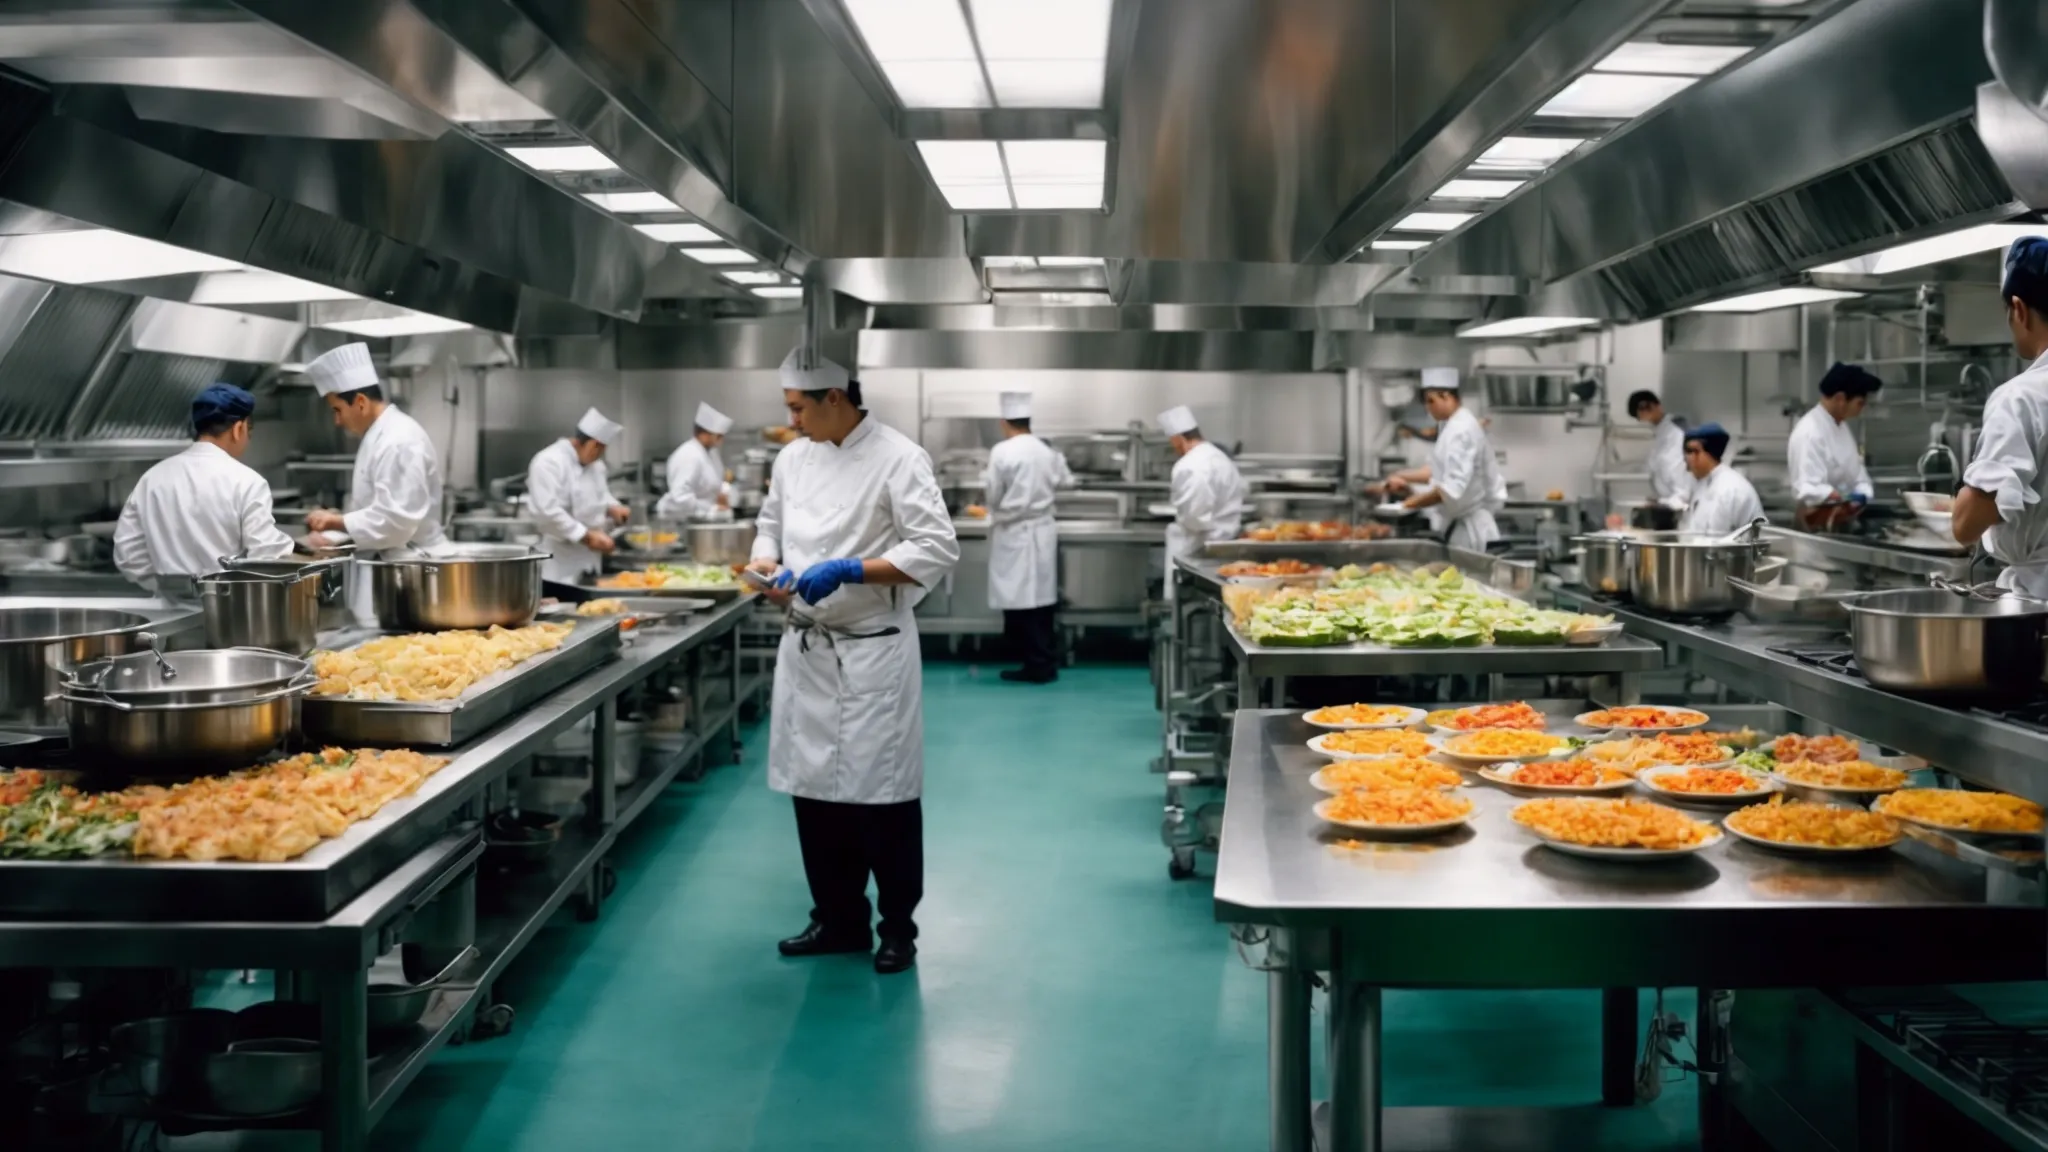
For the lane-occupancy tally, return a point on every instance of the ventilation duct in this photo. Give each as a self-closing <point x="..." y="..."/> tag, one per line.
<point x="47" y="368"/>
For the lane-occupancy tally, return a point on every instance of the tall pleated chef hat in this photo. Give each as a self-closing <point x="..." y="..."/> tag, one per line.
<point x="1016" y="405"/>
<point x="824" y="377"/>
<point x="712" y="420"/>
<point x="343" y="369"/>
<point x="598" y="428"/>
<point x="1177" y="421"/>
<point x="1439" y="379"/>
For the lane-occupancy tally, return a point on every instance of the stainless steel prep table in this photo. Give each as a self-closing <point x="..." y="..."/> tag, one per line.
<point x="1489" y="908"/>
<point x="331" y="954"/>
<point x="1261" y="667"/>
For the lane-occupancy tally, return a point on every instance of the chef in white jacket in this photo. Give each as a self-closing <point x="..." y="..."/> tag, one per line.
<point x="1208" y="491"/>
<point x="1023" y="545"/>
<point x="394" y="494"/>
<point x="188" y="512"/>
<point x="696" y="476"/>
<point x="569" y="498"/>
<point x="1670" y="481"/>
<point x="1465" y="487"/>
<point x="1723" y="499"/>
<point x="852" y="533"/>
<point x="2000" y="503"/>
<point x="1821" y="457"/>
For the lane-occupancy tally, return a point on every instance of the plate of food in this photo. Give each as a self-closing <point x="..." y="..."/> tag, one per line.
<point x="1956" y="811"/>
<point x="1817" y="749"/>
<point x="1368" y="743"/>
<point x="1615" y="829"/>
<point x="1855" y="779"/>
<point x="1385" y="772"/>
<point x="1805" y="829"/>
<point x="1396" y="812"/>
<point x="1641" y="718"/>
<point x="1357" y="717"/>
<point x="1515" y="714"/>
<point x="1499" y="745"/>
<point x="1564" y="777"/>
<point x="1588" y="635"/>
<point x="1699" y="785"/>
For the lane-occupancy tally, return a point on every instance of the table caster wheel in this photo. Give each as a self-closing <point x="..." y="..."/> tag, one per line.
<point x="1179" y="868"/>
<point x="491" y="1022"/>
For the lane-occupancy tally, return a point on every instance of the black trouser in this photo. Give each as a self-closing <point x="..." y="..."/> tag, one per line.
<point x="843" y="844"/>
<point x="1033" y="638"/>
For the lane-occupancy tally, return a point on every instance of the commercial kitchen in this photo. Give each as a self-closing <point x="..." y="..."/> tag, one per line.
<point x="1531" y="503"/>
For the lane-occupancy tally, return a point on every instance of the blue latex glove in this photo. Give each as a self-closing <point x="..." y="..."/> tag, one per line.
<point x="824" y="578"/>
<point x="1858" y="499"/>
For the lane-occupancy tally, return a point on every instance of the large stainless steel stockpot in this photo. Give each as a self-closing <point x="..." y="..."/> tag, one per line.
<point x="272" y="604"/>
<point x="459" y="586"/>
<point x="39" y="647"/>
<point x="1603" y="563"/>
<point x="1932" y="640"/>
<point x="206" y="710"/>
<point x="727" y="543"/>
<point x="1686" y="573"/>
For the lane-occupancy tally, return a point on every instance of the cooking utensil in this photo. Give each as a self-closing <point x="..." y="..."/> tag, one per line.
<point x="40" y="647"/>
<point x="198" y="676"/>
<point x="1686" y="574"/>
<point x="233" y="705"/>
<point x="396" y="1007"/>
<point x="462" y="586"/>
<point x="264" y="604"/>
<point x="1932" y="640"/>
<point x="167" y="1053"/>
<point x="721" y="543"/>
<point x="521" y="839"/>
<point x="264" y="1077"/>
<point x="1603" y="562"/>
<point x="1776" y="603"/>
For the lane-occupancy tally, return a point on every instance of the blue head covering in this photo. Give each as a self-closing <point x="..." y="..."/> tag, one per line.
<point x="221" y="402"/>
<point x="2026" y="272"/>
<point x="1848" y="378"/>
<point x="1712" y="438"/>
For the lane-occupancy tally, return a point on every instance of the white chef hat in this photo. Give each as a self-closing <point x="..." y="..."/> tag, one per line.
<point x="1177" y="421"/>
<point x="1016" y="405"/>
<point x="343" y="369"/>
<point x="825" y="376"/>
<point x="598" y="428"/>
<point x="1439" y="379"/>
<point x="712" y="420"/>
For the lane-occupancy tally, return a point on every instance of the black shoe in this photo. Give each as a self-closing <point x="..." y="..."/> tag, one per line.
<point x="1020" y="676"/>
<point x="895" y="956"/>
<point x="815" y="941"/>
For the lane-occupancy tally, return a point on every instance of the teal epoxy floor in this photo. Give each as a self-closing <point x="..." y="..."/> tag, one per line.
<point x="1068" y="995"/>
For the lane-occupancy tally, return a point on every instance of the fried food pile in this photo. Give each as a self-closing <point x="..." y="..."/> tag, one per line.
<point x="1815" y="825"/>
<point x="1360" y="714"/>
<point x="1970" y="811"/>
<point x="1517" y="714"/>
<point x="1504" y="742"/>
<point x="274" y="812"/>
<point x="430" y="665"/>
<point x="1378" y="742"/>
<point x="1567" y="774"/>
<point x="1708" y="782"/>
<point x="1612" y="823"/>
<point x="1396" y="806"/>
<point x="1819" y="749"/>
<point x="1390" y="772"/>
<point x="1642" y="716"/>
<point x="1846" y="774"/>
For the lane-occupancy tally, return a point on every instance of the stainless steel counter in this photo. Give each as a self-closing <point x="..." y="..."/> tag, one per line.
<point x="1617" y="655"/>
<point x="1856" y="562"/>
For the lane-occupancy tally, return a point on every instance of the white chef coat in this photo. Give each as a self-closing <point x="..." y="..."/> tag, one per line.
<point x="1208" y="503"/>
<point x="1821" y="457"/>
<point x="1721" y="503"/>
<point x="1023" y="546"/>
<point x="565" y="499"/>
<point x="394" y="500"/>
<point x="2011" y="453"/>
<point x="1463" y="469"/>
<point x="188" y="512"/>
<point x="1670" y="483"/>
<point x="847" y="718"/>
<point x="696" y="479"/>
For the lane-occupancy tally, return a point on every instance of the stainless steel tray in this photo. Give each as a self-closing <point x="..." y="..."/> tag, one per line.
<point x="440" y="724"/>
<point x="718" y="593"/>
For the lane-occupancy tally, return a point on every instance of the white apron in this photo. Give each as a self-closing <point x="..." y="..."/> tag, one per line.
<point x="847" y="722"/>
<point x="1023" y="564"/>
<point x="1473" y="531"/>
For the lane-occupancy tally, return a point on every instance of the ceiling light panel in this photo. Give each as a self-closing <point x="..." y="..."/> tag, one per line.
<point x="1433" y="221"/>
<point x="1935" y="249"/>
<point x="252" y="286"/>
<point x="1774" y="298"/>
<point x="753" y="277"/>
<point x="1522" y="152"/>
<point x="1044" y="53"/>
<point x="1478" y="189"/>
<point x="632" y="202"/>
<point x="924" y="49"/>
<point x="412" y="324"/>
<point x="1527" y="326"/>
<point x="969" y="173"/>
<point x="791" y="292"/>
<point x="1655" y="59"/>
<point x="564" y="158"/>
<point x="1614" y="95"/>
<point x="718" y="255"/>
<point x="1069" y="261"/>
<point x="1056" y="174"/>
<point x="99" y="255"/>
<point x="684" y="233"/>
<point x="1047" y="83"/>
<point x="937" y="83"/>
<point x="1393" y="245"/>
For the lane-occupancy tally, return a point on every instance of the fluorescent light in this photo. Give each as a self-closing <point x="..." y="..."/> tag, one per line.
<point x="962" y="161"/>
<point x="912" y="29"/>
<point x="1042" y="29"/>
<point x="566" y="158"/>
<point x="1526" y="152"/>
<point x="1057" y="196"/>
<point x="1433" y="221"/>
<point x="1935" y="249"/>
<point x="1055" y="161"/>
<point x="1069" y="261"/>
<point x="720" y="255"/>
<point x="1400" y="245"/>
<point x="1614" y="96"/>
<point x="1774" y="298"/>
<point x="99" y="255"/>
<point x="254" y="286"/>
<point x="632" y="201"/>
<point x="1477" y="189"/>
<point x="1047" y="83"/>
<point x="680" y="233"/>
<point x="753" y="277"/>
<point x="1671" y="59"/>
<point x="791" y="292"/>
<point x="937" y="83"/>
<point x="976" y="197"/>
<point x="1527" y="326"/>
<point x="410" y="324"/>
<point x="1009" y="261"/>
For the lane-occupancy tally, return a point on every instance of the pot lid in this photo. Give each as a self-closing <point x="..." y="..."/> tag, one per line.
<point x="202" y="670"/>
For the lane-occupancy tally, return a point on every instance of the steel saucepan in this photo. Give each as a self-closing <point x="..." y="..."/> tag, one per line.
<point x="1686" y="573"/>
<point x="1935" y="641"/>
<point x="461" y="586"/>
<point x="1603" y="563"/>
<point x="39" y="647"/>
<point x="128" y="717"/>
<point x="729" y="543"/>
<point x="265" y="604"/>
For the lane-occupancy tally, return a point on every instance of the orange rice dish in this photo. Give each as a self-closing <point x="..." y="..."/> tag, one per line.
<point x="1847" y="774"/>
<point x="1515" y="715"/>
<point x="1599" y="823"/>
<point x="1392" y="772"/>
<point x="1396" y="806"/>
<point x="1819" y="749"/>
<point x="1815" y="825"/>
<point x="1954" y="808"/>
<point x="1379" y="742"/>
<point x="1636" y="716"/>
<point x="1567" y="774"/>
<point x="1359" y="714"/>
<point x="1709" y="782"/>
<point x="1504" y="742"/>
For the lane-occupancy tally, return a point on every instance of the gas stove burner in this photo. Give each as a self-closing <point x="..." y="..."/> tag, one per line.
<point x="1833" y="658"/>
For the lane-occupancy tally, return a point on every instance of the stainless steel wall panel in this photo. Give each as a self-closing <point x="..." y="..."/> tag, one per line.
<point x="1096" y="351"/>
<point x="212" y="334"/>
<point x="726" y="344"/>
